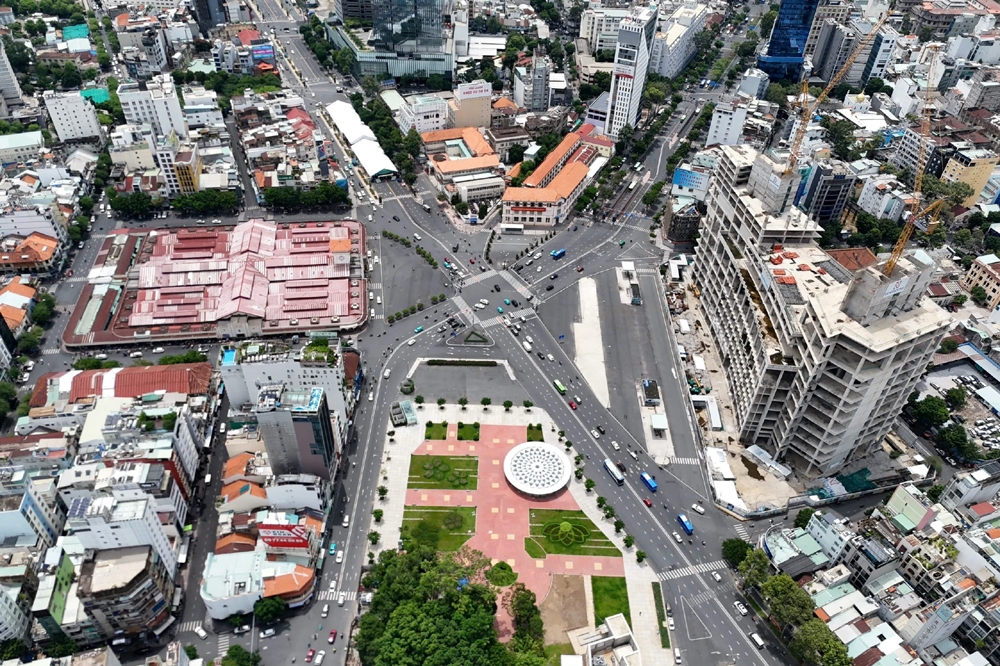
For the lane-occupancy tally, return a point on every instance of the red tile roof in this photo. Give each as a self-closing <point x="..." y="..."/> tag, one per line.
<point x="186" y="378"/>
<point x="983" y="509"/>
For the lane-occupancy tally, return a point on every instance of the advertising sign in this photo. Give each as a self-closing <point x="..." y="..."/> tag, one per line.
<point x="896" y="286"/>
<point x="474" y="89"/>
<point x="285" y="536"/>
<point x="625" y="70"/>
<point x="262" y="52"/>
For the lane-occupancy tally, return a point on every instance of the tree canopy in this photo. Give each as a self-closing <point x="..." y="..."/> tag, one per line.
<point x="755" y="567"/>
<point x="816" y="645"/>
<point x="789" y="603"/>
<point x="930" y="412"/>
<point x="735" y="551"/>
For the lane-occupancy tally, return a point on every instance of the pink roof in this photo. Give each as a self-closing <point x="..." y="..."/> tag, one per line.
<point x="248" y="36"/>
<point x="983" y="509"/>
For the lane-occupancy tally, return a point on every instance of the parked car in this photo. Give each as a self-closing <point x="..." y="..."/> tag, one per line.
<point x="267" y="633"/>
<point x="332" y="637"/>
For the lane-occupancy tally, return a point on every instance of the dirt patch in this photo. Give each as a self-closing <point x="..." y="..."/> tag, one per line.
<point x="564" y="608"/>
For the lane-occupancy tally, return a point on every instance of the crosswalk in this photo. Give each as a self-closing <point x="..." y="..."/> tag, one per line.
<point x="518" y="285"/>
<point x="705" y="567"/>
<point x="684" y="461"/>
<point x="743" y="532"/>
<point x="709" y="594"/>
<point x="498" y="320"/>
<point x="378" y="315"/>
<point x="375" y="286"/>
<point x="190" y="625"/>
<point x="327" y="595"/>
<point x="50" y="351"/>
<point x="476" y="279"/>
<point x="224" y="644"/>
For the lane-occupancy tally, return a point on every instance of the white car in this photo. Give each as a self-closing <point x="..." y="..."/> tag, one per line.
<point x="267" y="633"/>
<point x="551" y="358"/>
<point x="670" y="623"/>
<point x="740" y="608"/>
<point x="483" y="301"/>
<point x="371" y="396"/>
<point x="632" y="453"/>
<point x="595" y="434"/>
<point x="537" y="255"/>
<point x="410" y="343"/>
<point x="716" y="576"/>
<point x="615" y="446"/>
<point x="697" y="508"/>
<point x="346" y="521"/>
<point x="342" y="598"/>
<point x="538" y="270"/>
<point x="677" y="537"/>
<point x="529" y="340"/>
<point x="326" y="610"/>
<point x="158" y="350"/>
<point x="202" y="634"/>
<point x="340" y="556"/>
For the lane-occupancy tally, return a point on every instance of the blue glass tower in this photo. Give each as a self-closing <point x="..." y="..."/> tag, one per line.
<point x="783" y="58"/>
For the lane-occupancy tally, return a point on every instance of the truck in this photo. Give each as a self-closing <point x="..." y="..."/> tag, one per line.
<point x="558" y="254"/>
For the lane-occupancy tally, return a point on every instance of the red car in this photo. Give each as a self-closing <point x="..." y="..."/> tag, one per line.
<point x="645" y="500"/>
<point x="472" y="261"/>
<point x="309" y="656"/>
<point x="333" y="636"/>
<point x="572" y="405"/>
<point x="579" y="269"/>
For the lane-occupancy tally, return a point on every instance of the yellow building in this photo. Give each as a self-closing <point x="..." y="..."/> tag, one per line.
<point x="972" y="167"/>
<point x="187" y="167"/>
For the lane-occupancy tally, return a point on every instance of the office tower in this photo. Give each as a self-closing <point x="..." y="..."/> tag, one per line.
<point x="784" y="54"/>
<point x="972" y="167"/>
<point x="838" y="10"/>
<point x="359" y="10"/>
<point x="9" y="87"/>
<point x="635" y="36"/>
<point x="828" y="188"/>
<point x="73" y="115"/>
<point x="819" y="355"/>
<point x="154" y="102"/>
<point x="410" y="27"/>
<point x="727" y="124"/>
<point x="298" y="430"/>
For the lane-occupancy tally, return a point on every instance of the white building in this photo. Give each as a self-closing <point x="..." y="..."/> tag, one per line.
<point x="599" y="26"/>
<point x="13" y="620"/>
<point x="73" y="115"/>
<point x="754" y="83"/>
<point x="154" y="102"/>
<point x="820" y="357"/>
<point x="423" y="113"/>
<point x="10" y="89"/>
<point x="23" y="147"/>
<point x="673" y="46"/>
<point x="727" y="124"/>
<point x="884" y="198"/>
<point x="125" y="518"/>
<point x="531" y="85"/>
<point x="635" y="37"/>
<point x="201" y="107"/>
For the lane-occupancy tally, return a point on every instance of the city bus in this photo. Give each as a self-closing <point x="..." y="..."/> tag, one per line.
<point x="559" y="386"/>
<point x="648" y="480"/>
<point x="685" y="524"/>
<point x="613" y="471"/>
<point x="632" y="186"/>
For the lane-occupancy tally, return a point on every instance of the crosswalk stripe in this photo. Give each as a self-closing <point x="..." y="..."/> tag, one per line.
<point x="743" y="532"/>
<point x="476" y="279"/>
<point x="327" y="595"/>
<point x="684" y="461"/>
<point x="704" y="567"/>
<point x="190" y="625"/>
<point x="50" y="351"/>
<point x="223" y="645"/>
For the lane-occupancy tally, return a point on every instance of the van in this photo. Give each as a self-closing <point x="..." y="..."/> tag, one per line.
<point x="677" y="655"/>
<point x="208" y="479"/>
<point x="757" y="641"/>
<point x="135" y="354"/>
<point x="426" y="207"/>
<point x="527" y="346"/>
<point x="326" y="610"/>
<point x="385" y="375"/>
<point x="318" y="659"/>
<point x="417" y="237"/>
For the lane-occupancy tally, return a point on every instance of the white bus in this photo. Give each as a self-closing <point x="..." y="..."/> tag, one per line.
<point x="637" y="166"/>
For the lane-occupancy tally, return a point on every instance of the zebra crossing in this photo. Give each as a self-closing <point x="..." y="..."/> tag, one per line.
<point x="498" y="320"/>
<point x="476" y="279"/>
<point x="684" y="461"/>
<point x="743" y="532"/>
<point x="190" y="625"/>
<point x="691" y="570"/>
<point x="224" y="644"/>
<point x="516" y="283"/>
<point x="709" y="594"/>
<point x="327" y="595"/>
<point x="375" y="286"/>
<point x="50" y="351"/>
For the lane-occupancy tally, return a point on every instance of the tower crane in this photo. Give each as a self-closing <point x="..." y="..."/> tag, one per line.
<point x="807" y="110"/>
<point x="930" y="212"/>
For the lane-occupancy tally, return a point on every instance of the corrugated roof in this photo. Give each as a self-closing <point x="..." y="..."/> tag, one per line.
<point x="237" y="488"/>
<point x="186" y="378"/>
<point x="235" y="543"/>
<point x="552" y="159"/>
<point x="236" y="465"/>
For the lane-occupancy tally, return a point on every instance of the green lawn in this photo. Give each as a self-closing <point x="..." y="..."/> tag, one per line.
<point x="436" y="430"/>
<point x="610" y="598"/>
<point x="433" y="517"/>
<point x="468" y="432"/>
<point x="661" y="616"/>
<point x="536" y="434"/>
<point x="443" y="473"/>
<point x="532" y="548"/>
<point x="594" y="541"/>
<point x="553" y="652"/>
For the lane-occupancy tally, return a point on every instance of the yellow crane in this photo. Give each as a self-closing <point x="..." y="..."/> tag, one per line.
<point x="930" y="212"/>
<point x="807" y="110"/>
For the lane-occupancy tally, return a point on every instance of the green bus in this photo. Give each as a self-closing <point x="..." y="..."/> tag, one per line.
<point x="559" y="386"/>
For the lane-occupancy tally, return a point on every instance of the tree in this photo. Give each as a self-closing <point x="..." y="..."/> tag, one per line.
<point x="955" y="438"/>
<point x="948" y="346"/>
<point x="382" y="492"/>
<point x="441" y="402"/>
<point x="528" y="404"/>
<point x="601" y="501"/>
<point x="486" y="402"/>
<point x="934" y="493"/>
<point x="930" y="412"/>
<point x="979" y="295"/>
<point x="640" y="556"/>
<point x="373" y="537"/>
<point x="191" y="651"/>
<point x="767" y="22"/>
<point x="370" y="86"/>
<point x="735" y="551"/>
<point x="377" y="514"/>
<point x="803" y="516"/>
<point x="62" y="647"/>
<point x="507" y="404"/>
<point x="191" y="356"/>
<point x="411" y="142"/>
<point x="516" y="153"/>
<point x="788" y="602"/>
<point x="960" y="299"/>
<point x="955" y="397"/>
<point x="926" y="34"/>
<point x="270" y="609"/>
<point x="619" y="524"/>
<point x="71" y="77"/>
<point x="11" y="649"/>
<point x="816" y="645"/>
<point x="629" y="540"/>
<point x="755" y="567"/>
<point x="44" y="310"/>
<point x="589" y="484"/>
<point x="86" y="205"/>
<point x="28" y="342"/>
<point x="238" y="656"/>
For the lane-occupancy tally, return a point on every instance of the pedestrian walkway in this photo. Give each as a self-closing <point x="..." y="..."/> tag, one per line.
<point x="191" y="625"/>
<point x="374" y="285"/>
<point x="327" y="595"/>
<point x="692" y="570"/>
<point x="498" y="320"/>
<point x="50" y="351"/>
<point x="743" y="532"/>
<point x="475" y="279"/>
<point x="254" y="209"/>
<point x="516" y="281"/>
<point x="224" y="644"/>
<point x="684" y="461"/>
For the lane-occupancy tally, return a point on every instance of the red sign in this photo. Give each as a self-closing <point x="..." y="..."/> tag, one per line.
<point x="284" y="536"/>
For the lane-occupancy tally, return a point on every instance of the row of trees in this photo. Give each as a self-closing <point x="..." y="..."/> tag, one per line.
<point x="292" y="198"/>
<point x="206" y="202"/>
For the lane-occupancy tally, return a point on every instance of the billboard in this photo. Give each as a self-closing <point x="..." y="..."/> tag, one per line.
<point x="693" y="180"/>
<point x="474" y="90"/>
<point x="262" y="52"/>
<point x="284" y="536"/>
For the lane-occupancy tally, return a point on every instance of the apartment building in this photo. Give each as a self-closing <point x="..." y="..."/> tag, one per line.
<point x="827" y="190"/>
<point x="673" y="45"/>
<point x="154" y="102"/>
<point x="635" y="38"/>
<point x="599" y="26"/>
<point x="985" y="273"/>
<point x="73" y="115"/>
<point x="424" y="113"/>
<point x="836" y="10"/>
<point x="819" y="358"/>
<point x="885" y="198"/>
<point x="726" y="127"/>
<point x="298" y="430"/>
<point x="972" y="167"/>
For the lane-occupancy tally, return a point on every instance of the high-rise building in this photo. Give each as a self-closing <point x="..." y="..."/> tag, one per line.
<point x="836" y="43"/>
<point x="819" y="355"/>
<point x="827" y="191"/>
<point x="599" y="26"/>
<point x="73" y="115"/>
<point x="531" y="85"/>
<point x="154" y="102"/>
<point x="673" y="46"/>
<point x="784" y="54"/>
<point x="972" y="167"/>
<point x="410" y="26"/>
<point x="838" y="10"/>
<point x="358" y="10"/>
<point x="298" y="430"/>
<point x="55" y="577"/>
<point x="635" y="37"/>
<point x="9" y="87"/>
<point x="727" y="124"/>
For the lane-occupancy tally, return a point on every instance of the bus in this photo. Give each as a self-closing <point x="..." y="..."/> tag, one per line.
<point x="685" y="524"/>
<point x="559" y="386"/>
<point x="649" y="481"/>
<point x="637" y="166"/>
<point x="613" y="471"/>
<point x="558" y="254"/>
<point x="632" y="186"/>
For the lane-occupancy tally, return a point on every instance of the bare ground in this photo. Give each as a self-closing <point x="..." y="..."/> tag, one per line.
<point x="564" y="608"/>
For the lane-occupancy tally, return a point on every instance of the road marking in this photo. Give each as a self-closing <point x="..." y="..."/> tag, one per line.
<point x="51" y="350"/>
<point x="327" y="595"/>
<point x="191" y="625"/>
<point x="684" y="461"/>
<point x="476" y="279"/>
<point x="705" y="567"/>
<point x="743" y="532"/>
<point x="223" y="645"/>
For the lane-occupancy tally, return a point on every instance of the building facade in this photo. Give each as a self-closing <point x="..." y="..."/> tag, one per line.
<point x="827" y="191"/>
<point x="972" y="167"/>
<point x="628" y="79"/>
<point x="727" y="124"/>
<point x="154" y="102"/>
<point x="297" y="430"/>
<point x="784" y="54"/>
<point x="73" y="115"/>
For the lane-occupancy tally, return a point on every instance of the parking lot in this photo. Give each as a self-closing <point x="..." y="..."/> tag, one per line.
<point x="982" y="425"/>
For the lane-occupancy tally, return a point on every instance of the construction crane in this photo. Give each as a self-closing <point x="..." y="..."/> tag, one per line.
<point x="929" y="213"/>
<point x="807" y="110"/>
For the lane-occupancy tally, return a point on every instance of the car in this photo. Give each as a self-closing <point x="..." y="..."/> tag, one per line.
<point x="529" y="262"/>
<point x="319" y="657"/>
<point x="371" y="396"/>
<point x="496" y="288"/>
<point x="342" y="598"/>
<point x="552" y="359"/>
<point x="716" y="576"/>
<point x="333" y="548"/>
<point x="515" y="304"/>
<point x="518" y="267"/>
<point x="410" y="343"/>
<point x="740" y="608"/>
<point x="200" y="631"/>
<point x="346" y="522"/>
<point x="506" y="301"/>
<point x="201" y="221"/>
<point x="80" y="245"/>
<point x="395" y="218"/>
<point x="158" y="350"/>
<point x="550" y="287"/>
<point x="537" y="255"/>
<point x="951" y="461"/>
<point x="216" y="221"/>
<point x="633" y="454"/>
<point x="645" y="500"/>
<point x="483" y="301"/>
<point x="572" y="405"/>
<point x="333" y="585"/>
<point x="595" y="434"/>
<point x="698" y="509"/>
<point x="267" y="633"/>
<point x="615" y="446"/>
<point x="310" y="655"/>
<point x="677" y="537"/>
<point x="670" y="623"/>
<point x="538" y="270"/>
<point x="472" y="261"/>
<point x="541" y="355"/>
<point x="500" y="310"/>
<point x="418" y="329"/>
<point x="579" y="269"/>
<point x="600" y="429"/>
<point x="332" y="637"/>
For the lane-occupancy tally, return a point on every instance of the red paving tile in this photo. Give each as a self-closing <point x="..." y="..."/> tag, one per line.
<point x="502" y="516"/>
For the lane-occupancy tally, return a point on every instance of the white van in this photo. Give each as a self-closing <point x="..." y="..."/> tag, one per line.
<point x="677" y="655"/>
<point x="527" y="346"/>
<point x="417" y="237"/>
<point x="385" y="375"/>
<point x="326" y="610"/>
<point x="135" y="354"/>
<point x="208" y="479"/>
<point x="757" y="641"/>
